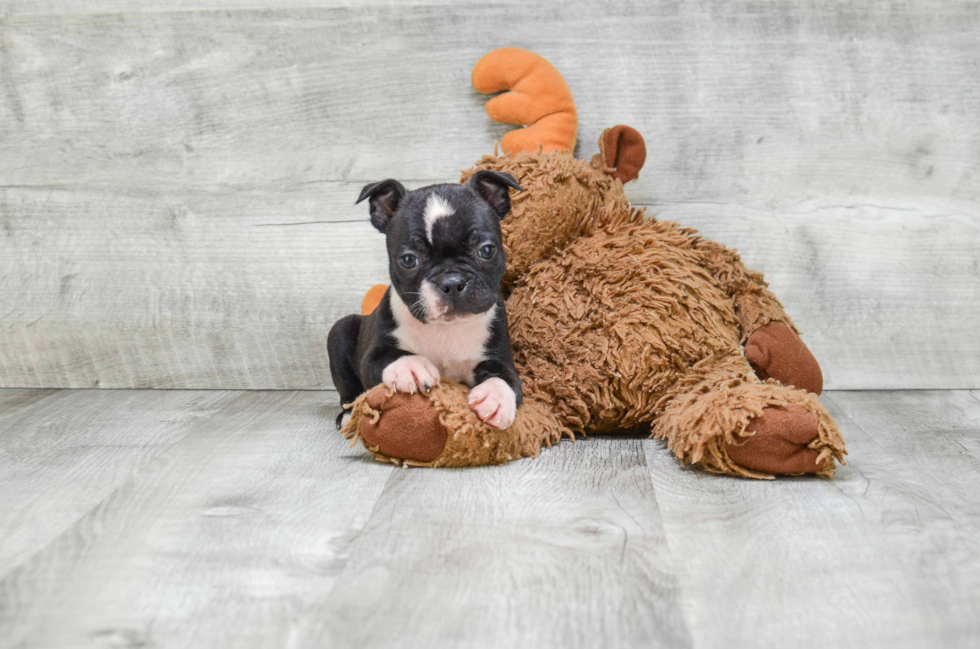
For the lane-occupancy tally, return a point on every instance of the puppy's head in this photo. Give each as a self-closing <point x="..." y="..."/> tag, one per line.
<point x="445" y="254"/>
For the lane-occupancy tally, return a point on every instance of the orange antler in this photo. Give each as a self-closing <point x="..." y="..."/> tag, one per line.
<point x="373" y="298"/>
<point x="539" y="100"/>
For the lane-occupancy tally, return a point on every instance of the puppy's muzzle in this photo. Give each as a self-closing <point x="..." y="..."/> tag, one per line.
<point x="457" y="293"/>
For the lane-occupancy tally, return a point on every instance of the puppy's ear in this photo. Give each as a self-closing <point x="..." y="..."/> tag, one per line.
<point x="492" y="187"/>
<point x="385" y="197"/>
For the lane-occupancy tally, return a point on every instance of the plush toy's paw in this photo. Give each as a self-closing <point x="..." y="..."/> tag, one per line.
<point x="441" y="429"/>
<point x="411" y="374"/>
<point x="406" y="427"/>
<point x="494" y="402"/>
<point x="780" y="443"/>
<point x="776" y="351"/>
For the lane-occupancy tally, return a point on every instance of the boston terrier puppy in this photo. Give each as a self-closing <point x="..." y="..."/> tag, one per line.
<point x="442" y="316"/>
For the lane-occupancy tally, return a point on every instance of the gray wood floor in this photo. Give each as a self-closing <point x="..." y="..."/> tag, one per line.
<point x="213" y="519"/>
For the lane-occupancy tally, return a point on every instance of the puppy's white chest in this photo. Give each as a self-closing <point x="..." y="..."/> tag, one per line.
<point x="456" y="348"/>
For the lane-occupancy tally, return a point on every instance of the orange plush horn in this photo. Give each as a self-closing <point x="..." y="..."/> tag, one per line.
<point x="538" y="99"/>
<point x="373" y="298"/>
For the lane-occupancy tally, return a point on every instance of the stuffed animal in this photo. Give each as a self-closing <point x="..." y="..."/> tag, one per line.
<point x="618" y="321"/>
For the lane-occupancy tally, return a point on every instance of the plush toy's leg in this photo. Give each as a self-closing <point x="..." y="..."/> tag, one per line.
<point x="772" y="344"/>
<point x="719" y="416"/>
<point x="440" y="429"/>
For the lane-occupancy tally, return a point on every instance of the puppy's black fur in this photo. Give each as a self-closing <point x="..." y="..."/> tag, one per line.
<point x="446" y="262"/>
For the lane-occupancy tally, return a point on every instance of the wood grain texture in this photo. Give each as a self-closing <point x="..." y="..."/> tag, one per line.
<point x="64" y="455"/>
<point x="53" y="7"/>
<point x="238" y="290"/>
<point x="884" y="555"/>
<point x="835" y="146"/>
<point x="226" y="539"/>
<point x="736" y="100"/>
<point x="566" y="550"/>
<point x="217" y="299"/>
<point x="15" y="402"/>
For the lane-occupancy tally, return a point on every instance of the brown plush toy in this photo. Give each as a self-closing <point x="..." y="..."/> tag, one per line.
<point x="618" y="321"/>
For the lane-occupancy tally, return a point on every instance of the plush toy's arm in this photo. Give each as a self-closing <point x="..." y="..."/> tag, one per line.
<point x="772" y="343"/>
<point x="755" y="304"/>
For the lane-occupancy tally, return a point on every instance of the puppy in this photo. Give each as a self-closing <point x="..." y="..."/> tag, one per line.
<point x="442" y="316"/>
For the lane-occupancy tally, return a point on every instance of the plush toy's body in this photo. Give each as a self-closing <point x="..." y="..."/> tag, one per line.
<point x="618" y="321"/>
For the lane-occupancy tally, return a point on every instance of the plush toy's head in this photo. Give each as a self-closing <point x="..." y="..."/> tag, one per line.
<point x="565" y="197"/>
<point x="555" y="207"/>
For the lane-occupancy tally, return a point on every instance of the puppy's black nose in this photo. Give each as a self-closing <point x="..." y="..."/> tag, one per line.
<point x="452" y="285"/>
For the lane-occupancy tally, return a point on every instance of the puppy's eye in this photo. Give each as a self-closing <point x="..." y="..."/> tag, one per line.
<point x="487" y="251"/>
<point x="408" y="261"/>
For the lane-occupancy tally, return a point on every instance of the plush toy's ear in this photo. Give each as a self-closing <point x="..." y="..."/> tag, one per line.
<point x="623" y="148"/>
<point x="385" y="197"/>
<point x="492" y="187"/>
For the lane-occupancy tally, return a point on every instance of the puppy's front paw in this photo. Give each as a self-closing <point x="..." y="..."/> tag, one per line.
<point x="411" y="374"/>
<point x="494" y="402"/>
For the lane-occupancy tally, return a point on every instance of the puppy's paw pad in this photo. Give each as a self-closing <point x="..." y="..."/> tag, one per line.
<point x="494" y="402"/>
<point x="411" y="374"/>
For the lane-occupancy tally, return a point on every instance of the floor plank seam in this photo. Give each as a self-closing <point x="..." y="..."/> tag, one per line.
<point x="673" y="556"/>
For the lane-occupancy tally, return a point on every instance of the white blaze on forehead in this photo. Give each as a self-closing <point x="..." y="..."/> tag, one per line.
<point x="436" y="207"/>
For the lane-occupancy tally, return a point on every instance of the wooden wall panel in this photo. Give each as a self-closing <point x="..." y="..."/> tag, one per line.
<point x="176" y="183"/>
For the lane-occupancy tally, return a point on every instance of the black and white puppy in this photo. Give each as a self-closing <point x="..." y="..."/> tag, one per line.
<point x="442" y="316"/>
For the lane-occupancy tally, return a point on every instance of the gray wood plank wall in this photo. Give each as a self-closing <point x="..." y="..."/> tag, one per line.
<point x="176" y="182"/>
